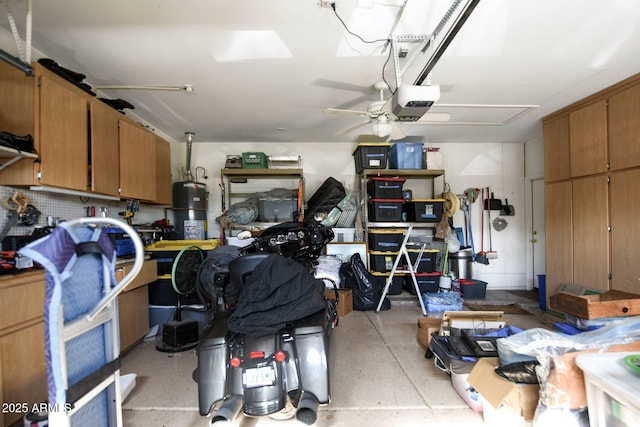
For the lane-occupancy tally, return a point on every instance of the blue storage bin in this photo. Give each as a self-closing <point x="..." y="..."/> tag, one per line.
<point x="405" y="155"/>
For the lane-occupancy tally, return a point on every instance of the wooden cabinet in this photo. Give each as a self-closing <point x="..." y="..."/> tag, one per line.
<point x="624" y="128"/>
<point x="591" y="215"/>
<point x="557" y="163"/>
<point x="137" y="162"/>
<point x="22" y="360"/>
<point x="590" y="232"/>
<point x="559" y="235"/>
<point x="104" y="149"/>
<point x="133" y="304"/>
<point x="625" y="233"/>
<point x="588" y="139"/>
<point x="82" y="143"/>
<point x="163" y="172"/>
<point x="54" y="112"/>
<point x="63" y="134"/>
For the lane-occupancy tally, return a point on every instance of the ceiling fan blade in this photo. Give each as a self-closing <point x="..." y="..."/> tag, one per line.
<point x="341" y="111"/>
<point x="334" y="84"/>
<point x="351" y="128"/>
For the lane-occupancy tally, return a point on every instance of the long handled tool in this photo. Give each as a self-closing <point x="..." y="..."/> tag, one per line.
<point x="481" y="256"/>
<point x="491" y="254"/>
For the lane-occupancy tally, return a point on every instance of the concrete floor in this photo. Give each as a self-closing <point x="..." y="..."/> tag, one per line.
<point x="380" y="376"/>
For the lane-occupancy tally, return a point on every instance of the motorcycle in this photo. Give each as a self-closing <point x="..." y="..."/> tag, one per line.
<point x="269" y="356"/>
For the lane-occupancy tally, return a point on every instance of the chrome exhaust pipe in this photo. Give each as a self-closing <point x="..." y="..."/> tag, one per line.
<point x="228" y="411"/>
<point x="307" y="412"/>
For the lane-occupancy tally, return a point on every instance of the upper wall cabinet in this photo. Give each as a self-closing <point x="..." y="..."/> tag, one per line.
<point x="137" y="162"/>
<point x="624" y="128"/>
<point x="163" y="194"/>
<point x="55" y="114"/>
<point x="105" y="159"/>
<point x="588" y="139"/>
<point x="556" y="149"/>
<point x="82" y="143"/>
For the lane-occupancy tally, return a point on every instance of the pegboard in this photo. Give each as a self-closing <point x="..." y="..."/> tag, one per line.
<point x="62" y="207"/>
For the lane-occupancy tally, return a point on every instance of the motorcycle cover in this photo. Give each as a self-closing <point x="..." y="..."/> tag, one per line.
<point x="278" y="292"/>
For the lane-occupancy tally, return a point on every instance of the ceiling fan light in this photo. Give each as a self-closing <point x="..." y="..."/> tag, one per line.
<point x="381" y="129"/>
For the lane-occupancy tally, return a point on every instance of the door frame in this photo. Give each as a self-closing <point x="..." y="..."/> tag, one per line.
<point x="528" y="218"/>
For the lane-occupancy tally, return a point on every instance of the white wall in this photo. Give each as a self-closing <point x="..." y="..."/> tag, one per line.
<point x="496" y="165"/>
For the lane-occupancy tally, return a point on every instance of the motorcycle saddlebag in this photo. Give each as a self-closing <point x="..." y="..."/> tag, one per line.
<point x="211" y="373"/>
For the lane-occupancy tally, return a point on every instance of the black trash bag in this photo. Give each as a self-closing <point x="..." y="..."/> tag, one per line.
<point x="347" y="278"/>
<point x="519" y="372"/>
<point x="366" y="288"/>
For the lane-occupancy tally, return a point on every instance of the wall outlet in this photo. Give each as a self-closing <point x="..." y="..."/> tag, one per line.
<point x="326" y="3"/>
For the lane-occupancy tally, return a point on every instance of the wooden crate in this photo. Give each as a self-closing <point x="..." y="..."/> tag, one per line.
<point x="608" y="304"/>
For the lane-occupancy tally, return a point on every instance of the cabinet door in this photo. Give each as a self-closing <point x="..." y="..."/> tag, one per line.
<point x="559" y="235"/>
<point x="556" y="149"/>
<point x="137" y="162"/>
<point x="133" y="312"/>
<point x="63" y="135"/>
<point x="624" y="128"/>
<point x="625" y="234"/>
<point x="590" y="232"/>
<point x="163" y="172"/>
<point x="588" y="139"/>
<point x="23" y="368"/>
<point x="105" y="158"/>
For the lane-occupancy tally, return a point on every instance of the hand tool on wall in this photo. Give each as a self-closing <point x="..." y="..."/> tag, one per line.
<point x="16" y="205"/>
<point x="491" y="254"/>
<point x="481" y="256"/>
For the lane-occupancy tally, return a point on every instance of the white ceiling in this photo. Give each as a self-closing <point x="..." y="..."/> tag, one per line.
<point x="263" y="70"/>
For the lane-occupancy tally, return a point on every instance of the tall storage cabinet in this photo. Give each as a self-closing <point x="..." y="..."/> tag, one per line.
<point x="592" y="200"/>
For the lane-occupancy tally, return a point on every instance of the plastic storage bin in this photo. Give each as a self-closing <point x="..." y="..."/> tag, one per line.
<point x="424" y="210"/>
<point x="385" y="188"/>
<point x="385" y="210"/>
<point x="405" y="155"/>
<point x="427" y="262"/>
<point x="277" y="210"/>
<point x="371" y="156"/>
<point x="473" y="289"/>
<point x="396" y="283"/>
<point x="382" y="262"/>
<point x="612" y="389"/>
<point x="427" y="283"/>
<point x="384" y="239"/>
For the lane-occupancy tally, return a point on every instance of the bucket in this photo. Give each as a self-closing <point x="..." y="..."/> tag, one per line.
<point x="542" y="291"/>
<point x="461" y="263"/>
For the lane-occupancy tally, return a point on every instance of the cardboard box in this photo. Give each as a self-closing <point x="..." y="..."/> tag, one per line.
<point x="497" y="392"/>
<point x="345" y="300"/>
<point x="471" y="320"/>
<point x="426" y="327"/>
<point x="608" y="304"/>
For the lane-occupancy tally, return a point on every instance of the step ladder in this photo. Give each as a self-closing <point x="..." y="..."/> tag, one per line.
<point x="412" y="270"/>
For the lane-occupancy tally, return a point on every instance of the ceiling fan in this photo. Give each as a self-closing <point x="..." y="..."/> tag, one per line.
<point x="378" y="116"/>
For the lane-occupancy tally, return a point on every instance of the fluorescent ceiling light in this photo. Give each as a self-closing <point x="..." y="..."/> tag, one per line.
<point x="186" y="88"/>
